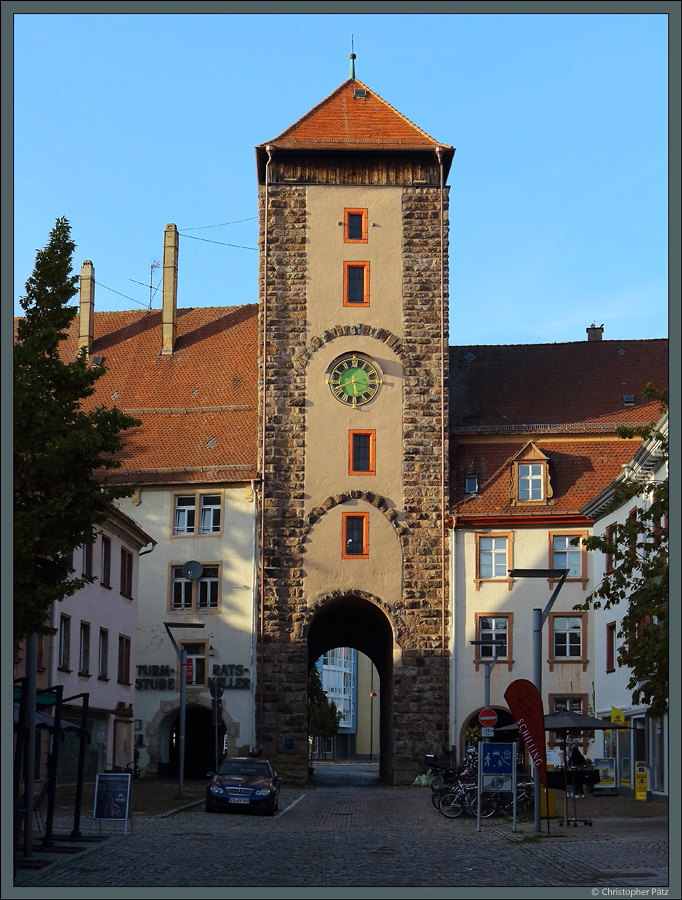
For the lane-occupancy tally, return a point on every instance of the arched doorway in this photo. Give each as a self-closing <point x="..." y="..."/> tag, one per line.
<point x="357" y="622"/>
<point x="199" y="743"/>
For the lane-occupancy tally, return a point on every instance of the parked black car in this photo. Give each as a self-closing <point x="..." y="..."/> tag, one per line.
<point x="244" y="782"/>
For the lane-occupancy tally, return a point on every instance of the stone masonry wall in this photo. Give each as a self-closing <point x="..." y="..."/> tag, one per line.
<point x="420" y="679"/>
<point x="283" y="681"/>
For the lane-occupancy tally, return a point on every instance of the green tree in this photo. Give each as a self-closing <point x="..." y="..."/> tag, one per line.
<point x="61" y="451"/>
<point x="323" y="716"/>
<point x="638" y="548"/>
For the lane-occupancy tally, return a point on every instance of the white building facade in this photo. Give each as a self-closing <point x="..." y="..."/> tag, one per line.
<point x="645" y="745"/>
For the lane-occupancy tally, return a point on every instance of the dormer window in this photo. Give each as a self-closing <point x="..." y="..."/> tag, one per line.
<point x="530" y="481"/>
<point x="471" y="485"/>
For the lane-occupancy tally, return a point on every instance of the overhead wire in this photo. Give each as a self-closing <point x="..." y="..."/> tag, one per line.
<point x="206" y="240"/>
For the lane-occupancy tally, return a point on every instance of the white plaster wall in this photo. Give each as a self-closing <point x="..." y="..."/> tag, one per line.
<point x="229" y="630"/>
<point x="106" y="608"/>
<point x="530" y="550"/>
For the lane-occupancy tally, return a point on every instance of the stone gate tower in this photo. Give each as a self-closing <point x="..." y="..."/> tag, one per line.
<point x="354" y="324"/>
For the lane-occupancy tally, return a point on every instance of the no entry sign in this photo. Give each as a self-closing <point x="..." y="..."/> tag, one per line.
<point x="487" y="717"/>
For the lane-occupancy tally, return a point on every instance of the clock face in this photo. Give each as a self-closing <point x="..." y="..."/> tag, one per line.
<point x="354" y="380"/>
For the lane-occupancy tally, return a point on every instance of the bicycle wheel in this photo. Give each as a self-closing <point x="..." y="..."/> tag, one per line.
<point x="451" y="805"/>
<point x="487" y="801"/>
<point x="438" y="793"/>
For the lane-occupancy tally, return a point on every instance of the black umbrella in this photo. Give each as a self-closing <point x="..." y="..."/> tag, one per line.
<point x="566" y="721"/>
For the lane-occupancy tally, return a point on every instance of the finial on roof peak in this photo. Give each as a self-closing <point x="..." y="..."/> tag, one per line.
<point x="351" y="57"/>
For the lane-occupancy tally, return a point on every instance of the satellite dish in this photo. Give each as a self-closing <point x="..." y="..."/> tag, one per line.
<point x="192" y="570"/>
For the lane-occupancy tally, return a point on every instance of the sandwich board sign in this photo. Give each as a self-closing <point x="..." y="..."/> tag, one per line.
<point x="112" y="797"/>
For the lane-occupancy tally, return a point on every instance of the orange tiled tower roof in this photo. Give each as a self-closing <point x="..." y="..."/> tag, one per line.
<point x="354" y="116"/>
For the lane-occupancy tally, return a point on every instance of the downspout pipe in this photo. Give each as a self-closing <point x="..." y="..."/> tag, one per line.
<point x="261" y="675"/>
<point x="443" y="444"/>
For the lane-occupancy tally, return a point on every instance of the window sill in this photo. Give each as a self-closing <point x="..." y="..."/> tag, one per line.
<point x="508" y="581"/>
<point x="123" y="683"/>
<point x="84" y="675"/>
<point x="102" y="678"/>
<point x="571" y="661"/>
<point x="107" y="586"/>
<point x="610" y="671"/>
<point x="64" y="669"/>
<point x="127" y="596"/>
<point x="479" y="663"/>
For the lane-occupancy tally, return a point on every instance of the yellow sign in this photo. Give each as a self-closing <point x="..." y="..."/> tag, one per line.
<point x="641" y="784"/>
<point x="617" y="716"/>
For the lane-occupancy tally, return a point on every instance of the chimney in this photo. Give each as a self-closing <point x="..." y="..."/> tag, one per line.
<point x="170" y="289"/>
<point x="86" y="292"/>
<point x="594" y="332"/>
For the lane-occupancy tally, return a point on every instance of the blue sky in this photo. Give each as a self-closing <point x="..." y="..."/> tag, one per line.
<point x="124" y="123"/>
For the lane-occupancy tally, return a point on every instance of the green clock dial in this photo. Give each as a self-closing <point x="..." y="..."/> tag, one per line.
<point x="354" y="381"/>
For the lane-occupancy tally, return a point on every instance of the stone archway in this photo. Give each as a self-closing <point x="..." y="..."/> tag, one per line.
<point x="354" y="620"/>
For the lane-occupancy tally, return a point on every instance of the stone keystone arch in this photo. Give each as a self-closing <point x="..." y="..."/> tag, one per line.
<point x="302" y="357"/>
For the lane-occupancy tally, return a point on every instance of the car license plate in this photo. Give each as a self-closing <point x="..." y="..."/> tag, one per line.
<point x="239" y="799"/>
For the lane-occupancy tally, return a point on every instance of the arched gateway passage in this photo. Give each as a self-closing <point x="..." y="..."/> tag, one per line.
<point x="353" y="621"/>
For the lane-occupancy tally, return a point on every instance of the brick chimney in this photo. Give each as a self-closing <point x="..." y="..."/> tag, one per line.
<point x="170" y="289"/>
<point x="86" y="291"/>
<point x="594" y="332"/>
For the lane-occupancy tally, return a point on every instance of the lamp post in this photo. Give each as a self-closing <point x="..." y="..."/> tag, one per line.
<point x="372" y="695"/>
<point x="182" y="656"/>
<point x="539" y="619"/>
<point x="488" y="667"/>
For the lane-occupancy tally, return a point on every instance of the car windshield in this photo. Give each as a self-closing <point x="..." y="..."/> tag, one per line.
<point x="244" y="767"/>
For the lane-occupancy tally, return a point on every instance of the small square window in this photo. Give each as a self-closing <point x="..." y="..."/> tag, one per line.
<point x="202" y="595"/>
<point x="355" y="536"/>
<point x="470" y="485"/>
<point x="492" y="628"/>
<point x="356" y="284"/>
<point x="362" y="453"/>
<point x="566" y="556"/>
<point x="355" y="226"/>
<point x="567" y="636"/>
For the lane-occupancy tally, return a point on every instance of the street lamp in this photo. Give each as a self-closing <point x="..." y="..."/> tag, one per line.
<point x="539" y="619"/>
<point x="182" y="656"/>
<point x="372" y="695"/>
<point x="488" y="667"/>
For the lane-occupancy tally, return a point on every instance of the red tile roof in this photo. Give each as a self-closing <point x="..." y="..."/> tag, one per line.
<point x="579" y="470"/>
<point x="198" y="407"/>
<point x="497" y="388"/>
<point x="342" y="120"/>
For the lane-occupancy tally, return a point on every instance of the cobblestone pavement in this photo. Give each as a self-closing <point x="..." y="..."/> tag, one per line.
<point x="355" y="836"/>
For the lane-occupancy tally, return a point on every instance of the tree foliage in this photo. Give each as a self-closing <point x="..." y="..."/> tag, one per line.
<point x="638" y="548"/>
<point x="61" y="451"/>
<point x="323" y="716"/>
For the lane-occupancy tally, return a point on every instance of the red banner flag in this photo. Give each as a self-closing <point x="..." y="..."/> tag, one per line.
<point x="525" y="703"/>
